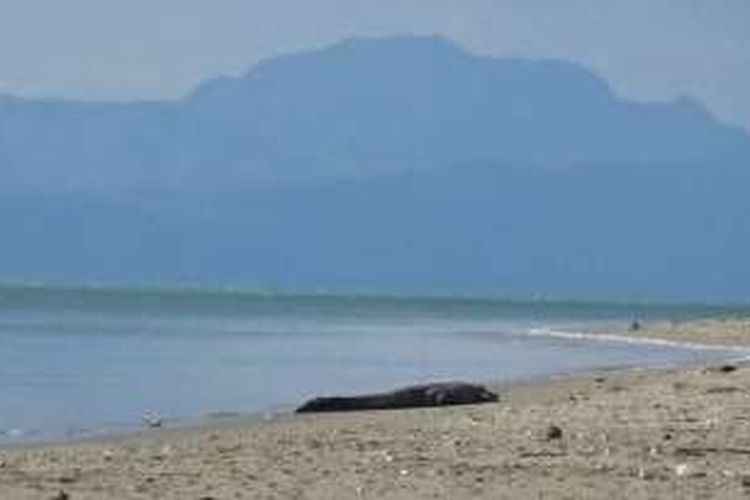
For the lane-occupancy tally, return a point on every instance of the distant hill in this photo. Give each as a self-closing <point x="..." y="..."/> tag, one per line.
<point x="400" y="164"/>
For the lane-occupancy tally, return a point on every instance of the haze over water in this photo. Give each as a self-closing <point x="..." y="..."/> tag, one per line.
<point x="78" y="361"/>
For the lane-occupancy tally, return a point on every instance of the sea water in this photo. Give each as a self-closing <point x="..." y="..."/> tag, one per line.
<point x="85" y="360"/>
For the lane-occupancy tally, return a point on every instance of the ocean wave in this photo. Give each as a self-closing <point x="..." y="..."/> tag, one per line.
<point x="15" y="433"/>
<point x="613" y="337"/>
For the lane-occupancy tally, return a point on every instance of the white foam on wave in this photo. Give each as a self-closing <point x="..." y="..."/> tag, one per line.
<point x="744" y="352"/>
<point x="13" y="433"/>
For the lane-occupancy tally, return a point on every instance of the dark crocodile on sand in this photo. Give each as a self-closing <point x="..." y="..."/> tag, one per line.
<point x="417" y="396"/>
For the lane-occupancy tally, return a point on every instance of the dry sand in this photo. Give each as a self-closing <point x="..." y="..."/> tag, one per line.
<point x="661" y="433"/>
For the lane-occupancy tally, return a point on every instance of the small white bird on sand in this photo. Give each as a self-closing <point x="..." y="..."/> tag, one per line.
<point x="152" y="421"/>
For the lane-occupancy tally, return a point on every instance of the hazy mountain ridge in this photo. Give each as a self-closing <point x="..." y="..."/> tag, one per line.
<point x="394" y="164"/>
<point x="358" y="108"/>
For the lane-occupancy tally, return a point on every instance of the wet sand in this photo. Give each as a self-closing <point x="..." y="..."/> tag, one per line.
<point x="681" y="432"/>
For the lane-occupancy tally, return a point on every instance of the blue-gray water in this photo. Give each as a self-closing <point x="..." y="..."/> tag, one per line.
<point x="77" y="361"/>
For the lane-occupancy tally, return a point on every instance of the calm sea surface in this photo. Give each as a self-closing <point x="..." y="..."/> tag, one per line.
<point x="81" y="361"/>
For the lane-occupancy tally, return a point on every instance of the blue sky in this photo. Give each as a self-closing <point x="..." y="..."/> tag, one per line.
<point x="105" y="49"/>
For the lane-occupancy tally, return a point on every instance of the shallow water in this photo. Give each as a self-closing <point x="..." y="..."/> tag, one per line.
<point x="78" y="361"/>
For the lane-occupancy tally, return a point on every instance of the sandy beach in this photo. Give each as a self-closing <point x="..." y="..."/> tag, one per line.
<point x="678" y="432"/>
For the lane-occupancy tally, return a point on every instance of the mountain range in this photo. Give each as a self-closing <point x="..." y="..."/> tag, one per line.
<point x="398" y="164"/>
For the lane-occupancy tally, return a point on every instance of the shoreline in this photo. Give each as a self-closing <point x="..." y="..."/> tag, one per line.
<point x="639" y="432"/>
<point x="259" y="418"/>
<point x="612" y="333"/>
<point x="616" y="332"/>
